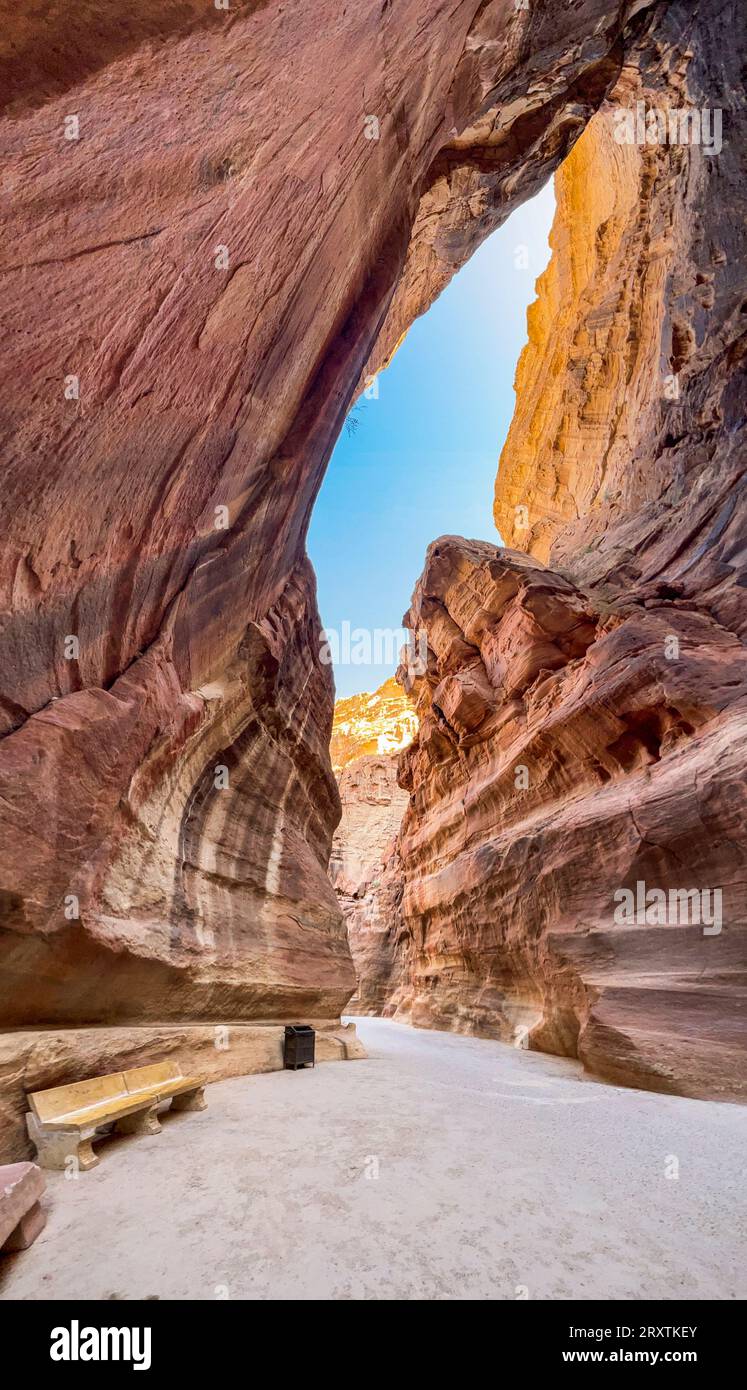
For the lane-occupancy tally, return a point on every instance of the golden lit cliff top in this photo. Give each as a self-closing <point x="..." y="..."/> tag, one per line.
<point x="380" y="723"/>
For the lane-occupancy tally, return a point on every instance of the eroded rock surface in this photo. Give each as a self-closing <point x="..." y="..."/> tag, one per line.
<point x="367" y="733"/>
<point x="197" y="854"/>
<point x="207" y="246"/>
<point x="204" y="236"/>
<point x="363" y="871"/>
<point x="563" y="755"/>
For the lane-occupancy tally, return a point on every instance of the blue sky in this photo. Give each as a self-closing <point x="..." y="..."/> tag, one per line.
<point x="423" y="459"/>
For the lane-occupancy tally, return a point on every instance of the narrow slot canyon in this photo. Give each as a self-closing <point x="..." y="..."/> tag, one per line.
<point x="576" y="733"/>
<point x="497" y="864"/>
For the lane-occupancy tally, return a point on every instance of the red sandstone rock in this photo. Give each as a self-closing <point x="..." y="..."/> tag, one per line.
<point x="22" y="1218"/>
<point x="197" y="269"/>
<point x="361" y="870"/>
<point x="192" y="288"/>
<point x="616" y="764"/>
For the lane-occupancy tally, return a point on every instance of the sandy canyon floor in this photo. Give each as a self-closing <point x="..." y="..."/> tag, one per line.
<point x="442" y="1167"/>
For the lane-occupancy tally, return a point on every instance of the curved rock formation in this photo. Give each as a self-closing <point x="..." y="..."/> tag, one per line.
<point x="208" y="244"/>
<point x="185" y="834"/>
<point x="202" y="246"/>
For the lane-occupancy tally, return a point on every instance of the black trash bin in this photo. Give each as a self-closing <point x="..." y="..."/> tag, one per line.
<point x="299" y="1045"/>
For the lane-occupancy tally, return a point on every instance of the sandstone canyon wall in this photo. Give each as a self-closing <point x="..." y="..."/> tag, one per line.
<point x="367" y="733"/>
<point x="583" y="718"/>
<point x="366" y="876"/>
<point x="216" y="223"/>
<point x="382" y="723"/>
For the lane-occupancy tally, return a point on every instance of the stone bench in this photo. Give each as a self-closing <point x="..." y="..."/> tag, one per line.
<point x="64" y="1120"/>
<point x="21" y="1216"/>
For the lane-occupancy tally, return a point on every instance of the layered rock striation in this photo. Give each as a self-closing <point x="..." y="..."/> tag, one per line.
<point x="362" y="869"/>
<point x="208" y="246"/>
<point x="568" y="752"/>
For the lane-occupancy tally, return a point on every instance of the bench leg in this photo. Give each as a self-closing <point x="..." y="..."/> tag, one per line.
<point x="190" y="1100"/>
<point x="55" y="1147"/>
<point x="30" y="1226"/>
<point x="141" y="1122"/>
<point x="85" y="1155"/>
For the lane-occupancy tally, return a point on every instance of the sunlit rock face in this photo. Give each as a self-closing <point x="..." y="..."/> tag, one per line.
<point x="382" y="723"/>
<point x="623" y="461"/>
<point x="367" y="733"/>
<point x="583" y="717"/>
<point x="208" y="244"/>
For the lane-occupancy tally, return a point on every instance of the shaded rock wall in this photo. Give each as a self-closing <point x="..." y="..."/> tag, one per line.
<point x="204" y="252"/>
<point x="583" y="723"/>
<point x="362" y="869"/>
<point x="191" y="830"/>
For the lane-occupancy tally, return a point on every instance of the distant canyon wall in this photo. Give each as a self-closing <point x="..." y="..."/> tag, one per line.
<point x="366" y="876"/>
<point x="583" y="716"/>
<point x="368" y="730"/>
<point x="363" y="725"/>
